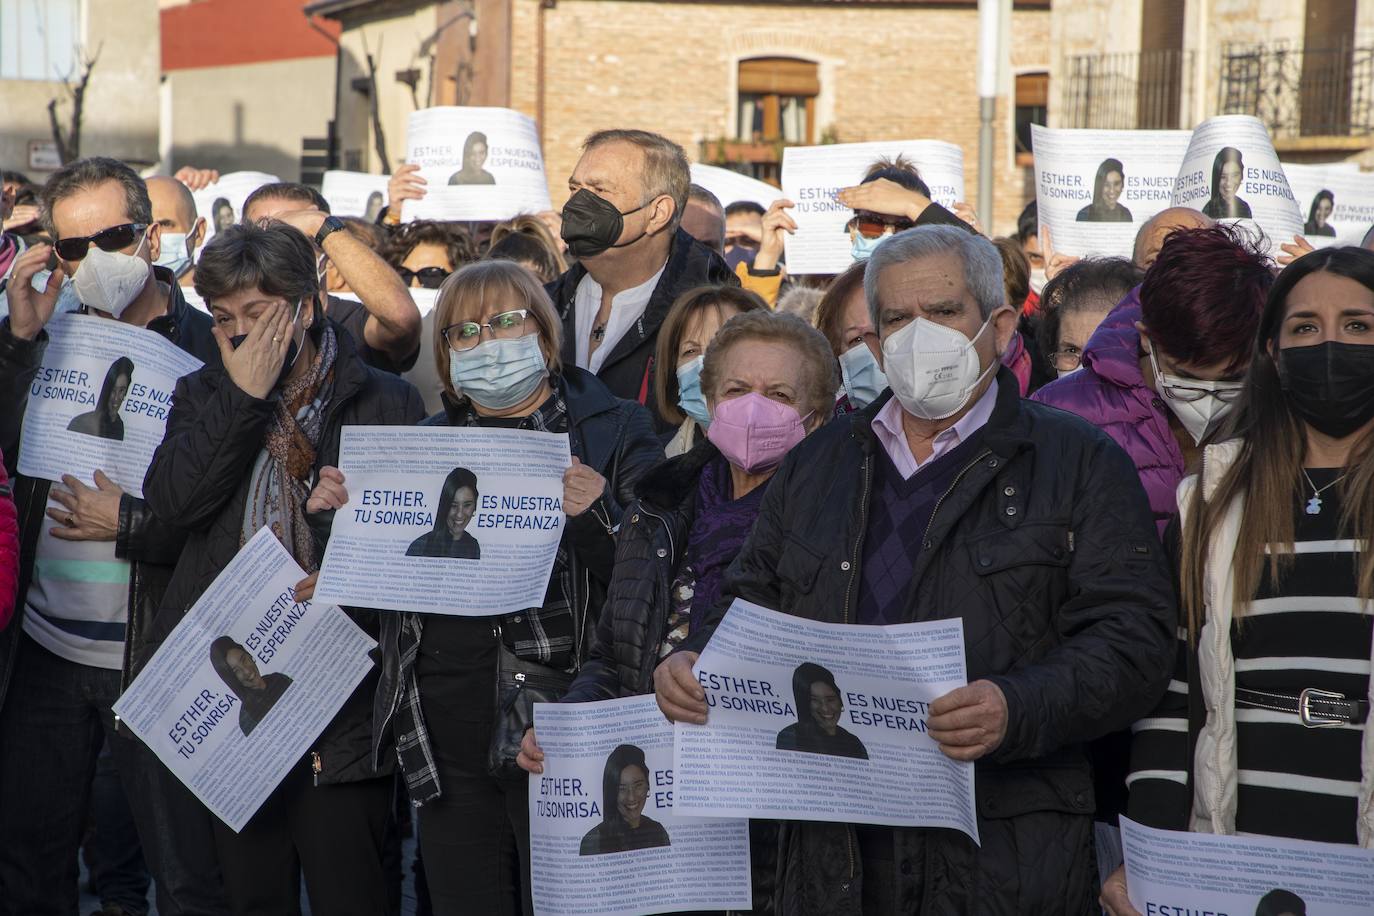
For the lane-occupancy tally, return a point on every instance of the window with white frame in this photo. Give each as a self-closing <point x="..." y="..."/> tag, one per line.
<point x="40" y="39"/>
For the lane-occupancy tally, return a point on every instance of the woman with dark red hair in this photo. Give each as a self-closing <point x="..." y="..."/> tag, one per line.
<point x="1163" y="369"/>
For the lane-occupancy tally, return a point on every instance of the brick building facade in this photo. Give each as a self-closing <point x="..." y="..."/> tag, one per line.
<point x="696" y="71"/>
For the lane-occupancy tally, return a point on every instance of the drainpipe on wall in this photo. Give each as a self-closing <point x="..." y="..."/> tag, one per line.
<point x="539" y="69"/>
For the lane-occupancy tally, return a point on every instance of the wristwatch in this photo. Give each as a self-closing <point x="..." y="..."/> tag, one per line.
<point x="330" y="225"/>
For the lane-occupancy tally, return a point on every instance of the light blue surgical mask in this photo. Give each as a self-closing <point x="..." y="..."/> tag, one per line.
<point x="863" y="380"/>
<point x="499" y="373"/>
<point x="689" y="396"/>
<point x="862" y="248"/>
<point x="175" y="256"/>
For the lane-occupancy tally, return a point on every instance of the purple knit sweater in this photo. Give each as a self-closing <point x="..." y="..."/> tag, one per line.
<point x="1109" y="392"/>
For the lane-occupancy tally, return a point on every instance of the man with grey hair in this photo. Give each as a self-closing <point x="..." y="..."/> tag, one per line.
<point x="948" y="497"/>
<point x="623" y="223"/>
<point x="94" y="563"/>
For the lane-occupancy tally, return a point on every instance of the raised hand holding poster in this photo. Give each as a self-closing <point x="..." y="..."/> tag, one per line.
<point x="445" y="520"/>
<point x="480" y="164"/>
<point x="245" y="682"/>
<point x="824" y="722"/>
<point x="100" y="401"/>
<point x="1336" y="201"/>
<point x="604" y="837"/>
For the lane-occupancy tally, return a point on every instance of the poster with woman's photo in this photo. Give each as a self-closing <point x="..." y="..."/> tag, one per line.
<point x="1336" y="200"/>
<point x="604" y="837"/>
<point x="813" y="175"/>
<point x="100" y="401"/>
<point x="245" y="682"/>
<point x="1230" y="172"/>
<point x="824" y="722"/>
<point x="221" y="203"/>
<point x="1171" y="872"/>
<point x="355" y="194"/>
<point x="1094" y="189"/>
<point x="480" y="164"/>
<point x="444" y="520"/>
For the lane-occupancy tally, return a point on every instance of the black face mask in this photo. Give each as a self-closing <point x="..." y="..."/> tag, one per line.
<point x="1330" y="385"/>
<point x="293" y="349"/>
<point x="592" y="224"/>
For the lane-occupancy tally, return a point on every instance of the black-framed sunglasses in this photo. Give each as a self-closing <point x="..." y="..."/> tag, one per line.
<point x="114" y="238"/>
<point x="467" y="334"/>
<point x="430" y="277"/>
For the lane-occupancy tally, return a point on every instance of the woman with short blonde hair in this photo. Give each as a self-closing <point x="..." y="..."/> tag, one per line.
<point x="496" y="348"/>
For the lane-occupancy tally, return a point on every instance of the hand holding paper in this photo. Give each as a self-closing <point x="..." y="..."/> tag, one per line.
<point x="582" y="486"/>
<point x="30" y="309"/>
<point x="1294" y="250"/>
<point x="1114" y="899"/>
<point x="406" y="184"/>
<point x="329" y="492"/>
<point x="531" y="757"/>
<point x="778" y="224"/>
<point x="969" y="722"/>
<point x="87" y="514"/>
<point x="256" y="365"/>
<point x="305" y="589"/>
<point x="679" y="694"/>
<point x="196" y="179"/>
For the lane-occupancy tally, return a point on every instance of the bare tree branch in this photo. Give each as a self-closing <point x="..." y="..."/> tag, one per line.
<point x="69" y="141"/>
<point x="379" y="135"/>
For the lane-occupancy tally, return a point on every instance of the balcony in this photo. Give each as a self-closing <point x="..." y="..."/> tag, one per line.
<point x="1310" y="99"/>
<point x="1146" y="90"/>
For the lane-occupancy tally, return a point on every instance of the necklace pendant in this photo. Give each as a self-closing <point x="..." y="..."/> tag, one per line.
<point x="1314" y="505"/>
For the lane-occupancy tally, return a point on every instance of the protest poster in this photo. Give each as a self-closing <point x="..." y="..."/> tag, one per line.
<point x="1335" y="200"/>
<point x="245" y="682"/>
<point x="446" y="520"/>
<point x="1094" y="189"/>
<point x="602" y="818"/>
<point x="357" y="194"/>
<point x="100" y="401"/>
<point x="1173" y="873"/>
<point x="481" y="164"/>
<point x="824" y="722"/>
<point x="730" y="186"/>
<point x="813" y="175"/>
<point x="1231" y="173"/>
<point x="221" y="203"/>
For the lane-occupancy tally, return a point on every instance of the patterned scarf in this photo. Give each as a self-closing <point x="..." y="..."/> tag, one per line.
<point x="280" y="484"/>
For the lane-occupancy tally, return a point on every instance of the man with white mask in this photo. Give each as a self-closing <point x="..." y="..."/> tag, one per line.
<point x="950" y="496"/>
<point x="94" y="563"/>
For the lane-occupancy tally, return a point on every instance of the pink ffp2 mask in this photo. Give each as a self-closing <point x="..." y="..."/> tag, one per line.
<point x="753" y="432"/>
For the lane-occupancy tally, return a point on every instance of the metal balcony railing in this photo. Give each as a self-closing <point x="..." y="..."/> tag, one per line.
<point x="1144" y="89"/>
<point x="1301" y="92"/>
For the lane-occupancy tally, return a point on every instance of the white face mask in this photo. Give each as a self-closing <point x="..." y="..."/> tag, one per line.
<point x="111" y="280"/>
<point x="1037" y="279"/>
<point x="933" y="370"/>
<point x="1199" y="405"/>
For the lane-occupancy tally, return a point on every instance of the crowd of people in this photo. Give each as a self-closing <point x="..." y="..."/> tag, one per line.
<point x="1144" y="485"/>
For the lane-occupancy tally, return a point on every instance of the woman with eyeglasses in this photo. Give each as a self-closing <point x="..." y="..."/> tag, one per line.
<point x="424" y="253"/>
<point x="1162" y="371"/>
<point x="1075" y="302"/>
<point x="496" y="347"/>
<point x="1264" y="730"/>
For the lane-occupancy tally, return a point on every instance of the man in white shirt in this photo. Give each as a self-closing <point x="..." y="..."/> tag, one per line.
<point x="622" y="222"/>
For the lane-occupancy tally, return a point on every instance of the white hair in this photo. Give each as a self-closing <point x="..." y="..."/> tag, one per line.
<point x="982" y="263"/>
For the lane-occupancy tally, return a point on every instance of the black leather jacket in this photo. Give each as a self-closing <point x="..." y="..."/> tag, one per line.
<point x="1045" y="546"/>
<point x="150" y="545"/>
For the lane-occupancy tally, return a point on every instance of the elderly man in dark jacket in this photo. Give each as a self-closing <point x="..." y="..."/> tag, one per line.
<point x="622" y="223"/>
<point x="950" y="496"/>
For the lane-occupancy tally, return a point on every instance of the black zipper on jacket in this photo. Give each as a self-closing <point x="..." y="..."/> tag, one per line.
<point x="665" y="582"/>
<point x="954" y="483"/>
<point x="867" y="472"/>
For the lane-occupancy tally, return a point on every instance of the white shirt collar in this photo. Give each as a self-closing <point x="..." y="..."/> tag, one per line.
<point x="887" y="426"/>
<point x="627" y="308"/>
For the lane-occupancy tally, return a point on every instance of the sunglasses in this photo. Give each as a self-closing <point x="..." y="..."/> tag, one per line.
<point x="115" y="238"/>
<point x="871" y="227"/>
<point x="430" y="277"/>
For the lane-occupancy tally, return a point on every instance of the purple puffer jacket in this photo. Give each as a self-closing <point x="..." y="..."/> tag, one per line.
<point x="1109" y="392"/>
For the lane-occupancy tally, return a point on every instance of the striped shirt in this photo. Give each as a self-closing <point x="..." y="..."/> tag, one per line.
<point x="1305" y="630"/>
<point x="77" y="606"/>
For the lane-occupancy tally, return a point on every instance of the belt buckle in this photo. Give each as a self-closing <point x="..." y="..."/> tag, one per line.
<point x="1306" y="713"/>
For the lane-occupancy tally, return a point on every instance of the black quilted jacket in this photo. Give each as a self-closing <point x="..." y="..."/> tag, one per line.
<point x="1045" y="546"/>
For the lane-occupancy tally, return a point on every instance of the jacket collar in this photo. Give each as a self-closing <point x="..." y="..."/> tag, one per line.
<point x="1006" y="432"/>
<point x="671" y="483"/>
<point x="1113" y="352"/>
<point x="170" y="323"/>
<point x="690" y="264"/>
